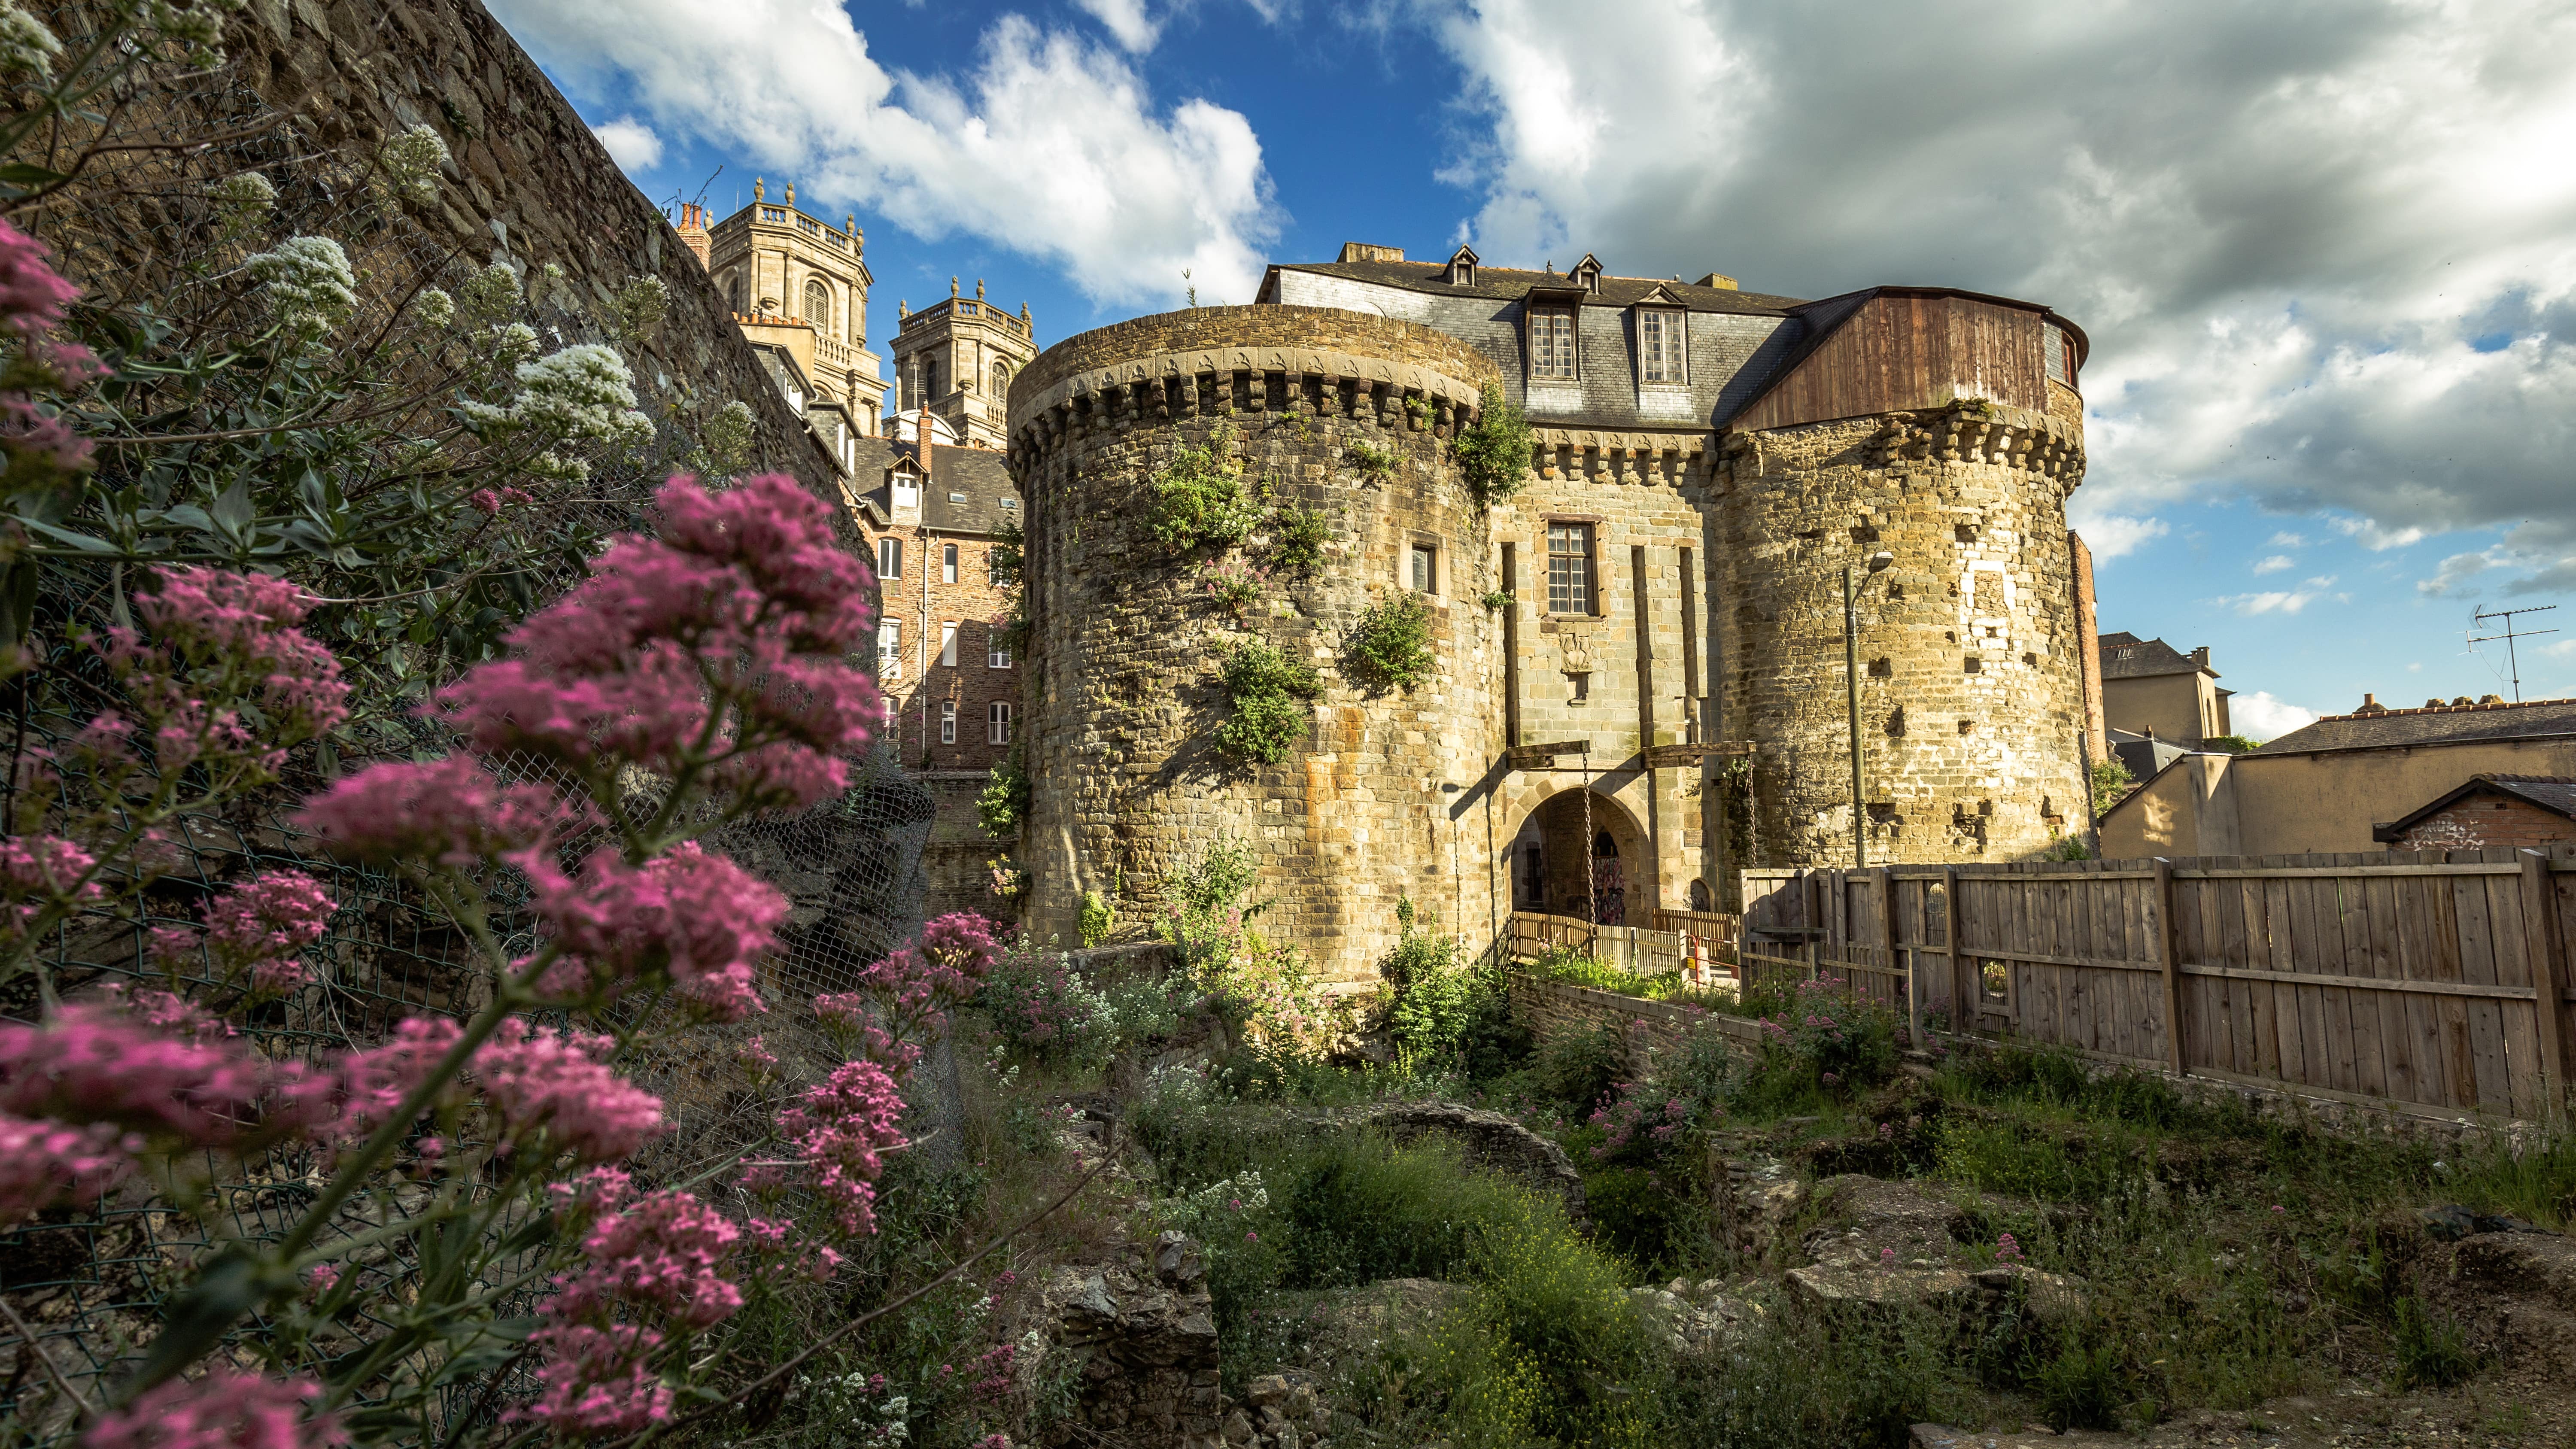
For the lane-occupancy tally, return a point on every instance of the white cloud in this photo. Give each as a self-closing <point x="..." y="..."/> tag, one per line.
<point x="2109" y="535"/>
<point x="2288" y="540"/>
<point x="2324" y="252"/>
<point x="2279" y="601"/>
<point x="2275" y="564"/>
<point x="2258" y="716"/>
<point x="1126" y="20"/>
<point x="1050" y="144"/>
<point x="631" y="143"/>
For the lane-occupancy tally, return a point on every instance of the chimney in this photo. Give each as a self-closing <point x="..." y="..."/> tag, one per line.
<point x="2200" y="656"/>
<point x="693" y="231"/>
<point x="2370" y="705"/>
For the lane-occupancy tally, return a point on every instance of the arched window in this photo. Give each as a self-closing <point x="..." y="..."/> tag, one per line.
<point x="1602" y="844"/>
<point x="737" y="292"/>
<point x="1001" y="379"/>
<point x="818" y="304"/>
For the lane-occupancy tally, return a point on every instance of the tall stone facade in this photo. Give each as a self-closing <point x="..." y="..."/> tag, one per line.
<point x="1123" y="688"/>
<point x="955" y="361"/>
<point x="1972" y="700"/>
<point x="799" y="284"/>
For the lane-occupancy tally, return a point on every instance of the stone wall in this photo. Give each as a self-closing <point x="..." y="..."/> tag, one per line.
<point x="1555" y="1009"/>
<point x="1123" y="699"/>
<point x="1971" y="700"/>
<point x="529" y="185"/>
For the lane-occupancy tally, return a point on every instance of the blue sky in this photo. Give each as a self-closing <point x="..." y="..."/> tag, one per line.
<point x="2325" y="249"/>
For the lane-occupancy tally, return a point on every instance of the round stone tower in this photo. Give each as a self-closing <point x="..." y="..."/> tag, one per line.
<point x="1342" y="413"/>
<point x="1970" y="661"/>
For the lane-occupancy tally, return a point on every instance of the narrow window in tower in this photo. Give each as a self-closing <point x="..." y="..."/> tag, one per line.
<point x="1569" y="568"/>
<point x="948" y="557"/>
<point x="1426" y="569"/>
<point x="1551" y="342"/>
<point x="1659" y="347"/>
<point x="997" y="725"/>
<point x="948" y="721"/>
<point x="889" y="558"/>
<point x="948" y="644"/>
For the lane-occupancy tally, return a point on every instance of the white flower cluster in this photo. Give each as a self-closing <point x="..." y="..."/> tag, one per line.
<point x="580" y="394"/>
<point x="435" y="309"/>
<point x="409" y="164"/>
<point x="245" y="191"/>
<point x="1206" y="1213"/>
<point x="311" y="289"/>
<point x="490" y="294"/>
<point x="26" y="46"/>
<point x="198" y="25"/>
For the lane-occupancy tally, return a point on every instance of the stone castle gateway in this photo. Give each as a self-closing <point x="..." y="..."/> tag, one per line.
<point x="1661" y="603"/>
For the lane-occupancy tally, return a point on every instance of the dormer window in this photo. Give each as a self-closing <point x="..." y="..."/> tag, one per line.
<point x="1587" y="273"/>
<point x="1462" y="268"/>
<point x="1661" y="357"/>
<point x="907" y="490"/>
<point x="1551" y="342"/>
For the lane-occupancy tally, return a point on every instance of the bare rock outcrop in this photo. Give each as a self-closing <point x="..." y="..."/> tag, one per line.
<point x="1145" y="1336"/>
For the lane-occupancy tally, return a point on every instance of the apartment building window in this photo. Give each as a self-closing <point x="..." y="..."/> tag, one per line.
<point x="1426" y="569"/>
<point x="1551" y="332"/>
<point x="1659" y="346"/>
<point x="889" y="558"/>
<point x="890" y="649"/>
<point x="998" y="724"/>
<point x="948" y="721"/>
<point x="948" y="644"/>
<point x="1569" y="568"/>
<point x="948" y="562"/>
<point x="998" y="656"/>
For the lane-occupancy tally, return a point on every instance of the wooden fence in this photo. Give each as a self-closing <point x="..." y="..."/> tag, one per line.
<point x="2435" y="981"/>
<point x="1532" y="934"/>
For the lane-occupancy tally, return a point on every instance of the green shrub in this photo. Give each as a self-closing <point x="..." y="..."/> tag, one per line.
<point x="2111" y="780"/>
<point x="1098" y="919"/>
<point x="1264" y="691"/>
<point x="1493" y="452"/>
<point x="1433" y="989"/>
<point x="1557" y="1309"/>
<point x="1298" y="536"/>
<point x="1820" y="1041"/>
<point x="1373" y="461"/>
<point x="1389" y="644"/>
<point x="1198" y="499"/>
<point x="2081" y="1388"/>
<point x="2432" y="1353"/>
<point x="1010" y="544"/>
<point x="1004" y="801"/>
<point x="2232" y="744"/>
<point x="1579" y="1069"/>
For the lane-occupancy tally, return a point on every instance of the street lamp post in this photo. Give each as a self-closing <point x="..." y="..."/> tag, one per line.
<point x="1851" y="704"/>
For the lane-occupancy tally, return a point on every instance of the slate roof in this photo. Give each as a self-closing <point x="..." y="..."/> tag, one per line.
<point x="966" y="489"/>
<point x="1512" y="284"/>
<point x="2431" y="726"/>
<point x="2553" y="793"/>
<point x="2126" y="656"/>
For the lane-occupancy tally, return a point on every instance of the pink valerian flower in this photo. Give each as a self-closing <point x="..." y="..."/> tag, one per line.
<point x="745" y="604"/>
<point x="322" y="1278"/>
<point x="756" y="1059"/>
<point x="778" y="1254"/>
<point x="368" y="1086"/>
<point x="900" y="1000"/>
<point x="994" y="1371"/>
<point x="487" y="501"/>
<point x="255" y="932"/>
<point x="450" y="811"/>
<point x="226" y="1409"/>
<point x="666" y="1252"/>
<point x="557" y="1081"/>
<point x="224" y="641"/>
<point x="37" y="871"/>
<point x="34" y="298"/>
<point x="45" y="1162"/>
<point x="92" y="1063"/>
<point x="839" y="1131"/>
<point x="2007" y="1250"/>
<point x="597" y="1380"/>
<point x="695" y="916"/>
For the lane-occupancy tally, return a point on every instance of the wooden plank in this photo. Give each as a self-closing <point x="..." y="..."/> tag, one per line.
<point x="2451" y="990"/>
<point x="2296" y="1007"/>
<point x="2396" y="1023"/>
<point x="2525" y="1085"/>
<point x="2293" y="872"/>
<point x="2169" y="960"/>
<point x="2419" y="921"/>
<point x="2352" y="929"/>
<point x="2459" y="1056"/>
<point x="2320" y="950"/>
<point x="2475" y="927"/>
<point x="2545" y="950"/>
<point x="1963" y="1007"/>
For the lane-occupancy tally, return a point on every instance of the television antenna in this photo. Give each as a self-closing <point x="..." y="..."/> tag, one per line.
<point x="2513" y="664"/>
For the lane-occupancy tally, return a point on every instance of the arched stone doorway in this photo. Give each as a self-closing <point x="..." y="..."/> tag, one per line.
<point x="1550" y="855"/>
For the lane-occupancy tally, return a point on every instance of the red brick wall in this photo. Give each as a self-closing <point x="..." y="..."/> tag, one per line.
<point x="973" y="604"/>
<point x="2488" y="819"/>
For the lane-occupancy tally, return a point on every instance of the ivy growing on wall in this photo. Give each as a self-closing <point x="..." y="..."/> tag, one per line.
<point x="1389" y="644"/>
<point x="1265" y="691"/>
<point x="1198" y="499"/>
<point x="1004" y="802"/>
<point x="1374" y="461"/>
<point x="1493" y="452"/>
